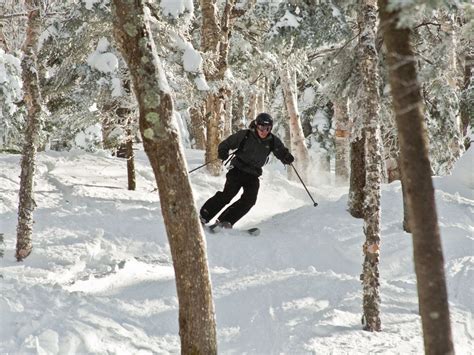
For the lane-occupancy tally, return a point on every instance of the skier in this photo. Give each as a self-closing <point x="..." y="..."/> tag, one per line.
<point x="253" y="147"/>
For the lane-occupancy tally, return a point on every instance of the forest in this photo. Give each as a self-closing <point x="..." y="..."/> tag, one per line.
<point x="111" y="115"/>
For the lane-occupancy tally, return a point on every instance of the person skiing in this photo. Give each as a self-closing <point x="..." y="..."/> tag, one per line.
<point x="253" y="148"/>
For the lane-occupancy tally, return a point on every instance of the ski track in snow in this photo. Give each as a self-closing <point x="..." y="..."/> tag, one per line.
<point x="100" y="278"/>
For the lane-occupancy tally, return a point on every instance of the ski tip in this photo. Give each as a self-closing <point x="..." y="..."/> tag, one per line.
<point x="253" y="231"/>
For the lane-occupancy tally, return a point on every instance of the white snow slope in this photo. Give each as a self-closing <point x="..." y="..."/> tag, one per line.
<point x="100" y="278"/>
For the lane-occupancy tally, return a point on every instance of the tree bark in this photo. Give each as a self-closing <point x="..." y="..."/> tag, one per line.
<point x="261" y="96"/>
<point x="448" y="26"/>
<point x="130" y="161"/>
<point x="32" y="97"/>
<point x="343" y="132"/>
<point x="215" y="40"/>
<point x="467" y="108"/>
<point x="215" y="131"/>
<point x="298" y="144"/>
<point x="357" y="177"/>
<point x="238" y="113"/>
<point x="416" y="175"/>
<point x="369" y="98"/>
<point x="198" y="127"/>
<point x="406" y="215"/>
<point x="228" y="114"/>
<point x="252" y="109"/>
<point x="197" y="327"/>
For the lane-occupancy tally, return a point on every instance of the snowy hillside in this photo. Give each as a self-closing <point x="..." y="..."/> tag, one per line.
<point x="100" y="278"/>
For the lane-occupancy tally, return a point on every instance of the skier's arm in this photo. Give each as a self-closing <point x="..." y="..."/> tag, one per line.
<point x="281" y="152"/>
<point x="231" y="142"/>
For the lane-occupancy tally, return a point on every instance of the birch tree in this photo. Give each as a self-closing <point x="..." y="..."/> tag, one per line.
<point x="32" y="98"/>
<point x="162" y="145"/>
<point x="416" y="175"/>
<point x="297" y="139"/>
<point x="368" y="98"/>
<point x="343" y="132"/>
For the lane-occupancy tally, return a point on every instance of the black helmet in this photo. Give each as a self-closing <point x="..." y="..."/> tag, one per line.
<point x="264" y="119"/>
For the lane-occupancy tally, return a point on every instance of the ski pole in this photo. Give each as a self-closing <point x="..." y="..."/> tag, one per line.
<point x="201" y="166"/>
<point x="312" y="199"/>
<point x="209" y="162"/>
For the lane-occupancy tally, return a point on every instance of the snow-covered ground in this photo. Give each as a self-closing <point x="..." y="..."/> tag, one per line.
<point x="100" y="278"/>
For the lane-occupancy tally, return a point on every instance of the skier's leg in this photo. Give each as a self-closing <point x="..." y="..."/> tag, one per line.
<point x="240" y="207"/>
<point x="221" y="198"/>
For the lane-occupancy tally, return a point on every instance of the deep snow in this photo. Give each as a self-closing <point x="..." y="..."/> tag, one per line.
<point x="100" y="279"/>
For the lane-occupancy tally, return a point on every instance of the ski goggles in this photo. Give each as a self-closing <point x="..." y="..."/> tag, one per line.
<point x="264" y="128"/>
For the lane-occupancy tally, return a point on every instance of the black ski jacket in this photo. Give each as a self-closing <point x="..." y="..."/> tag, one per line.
<point x="252" y="156"/>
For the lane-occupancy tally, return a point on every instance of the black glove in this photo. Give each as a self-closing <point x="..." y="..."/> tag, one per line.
<point x="288" y="158"/>
<point x="223" y="156"/>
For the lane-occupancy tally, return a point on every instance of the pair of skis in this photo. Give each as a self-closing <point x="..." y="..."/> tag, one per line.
<point x="218" y="227"/>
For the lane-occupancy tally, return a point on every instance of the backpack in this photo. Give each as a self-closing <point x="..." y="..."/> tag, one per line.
<point x="242" y="144"/>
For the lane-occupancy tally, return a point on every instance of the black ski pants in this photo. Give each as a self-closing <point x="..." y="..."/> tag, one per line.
<point x="235" y="180"/>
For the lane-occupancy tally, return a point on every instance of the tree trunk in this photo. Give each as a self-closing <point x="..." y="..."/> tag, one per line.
<point x="357" y="178"/>
<point x="449" y="28"/>
<point x="368" y="97"/>
<point x="215" y="39"/>
<point x="467" y="107"/>
<point x="406" y="215"/>
<point x="32" y="97"/>
<point x="197" y="326"/>
<point x="416" y="175"/>
<point x="228" y="113"/>
<point x="215" y="131"/>
<point x="343" y="132"/>
<point x="198" y="127"/>
<point x="238" y="113"/>
<point x="298" y="144"/>
<point x="130" y="161"/>
<point x="252" y="109"/>
<point x="261" y="97"/>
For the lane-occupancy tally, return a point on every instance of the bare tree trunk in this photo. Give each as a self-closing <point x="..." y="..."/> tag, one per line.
<point x="108" y="124"/>
<point x="357" y="178"/>
<point x="406" y="215"/>
<point x="298" y="144"/>
<point x="448" y="26"/>
<point x="261" y="97"/>
<point x="215" y="39"/>
<point x="394" y="173"/>
<point x="416" y="175"/>
<point x="198" y="127"/>
<point x="228" y="113"/>
<point x="252" y="109"/>
<point x="238" y="113"/>
<point x="215" y="131"/>
<point x="197" y="326"/>
<point x="343" y="133"/>
<point x="467" y="108"/>
<point x="368" y="97"/>
<point x="130" y="161"/>
<point x="32" y="96"/>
